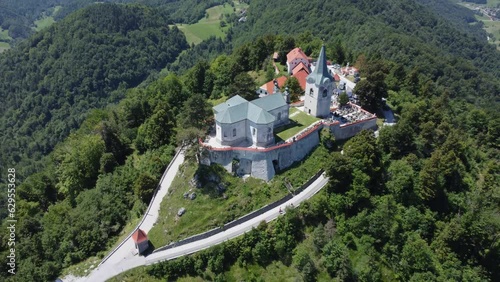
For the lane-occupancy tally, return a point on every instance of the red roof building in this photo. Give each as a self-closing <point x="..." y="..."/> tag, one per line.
<point x="294" y="57"/>
<point x="269" y="86"/>
<point x="141" y="241"/>
<point x="301" y="76"/>
<point x="139" y="236"/>
<point x="299" y="67"/>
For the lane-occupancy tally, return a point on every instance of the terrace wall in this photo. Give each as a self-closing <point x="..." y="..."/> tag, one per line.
<point x="262" y="163"/>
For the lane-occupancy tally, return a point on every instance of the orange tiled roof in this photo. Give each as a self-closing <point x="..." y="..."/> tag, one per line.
<point x="296" y="53"/>
<point x="300" y="67"/>
<point x="269" y="86"/>
<point x="139" y="236"/>
<point x="301" y="76"/>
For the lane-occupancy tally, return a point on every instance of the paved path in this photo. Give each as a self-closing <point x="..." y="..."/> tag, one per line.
<point x="237" y="230"/>
<point x="119" y="261"/>
<point x="124" y="259"/>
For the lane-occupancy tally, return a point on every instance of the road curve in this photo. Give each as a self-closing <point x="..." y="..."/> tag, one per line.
<point x="125" y="259"/>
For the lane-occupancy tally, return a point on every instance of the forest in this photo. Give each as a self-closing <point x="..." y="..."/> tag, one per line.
<point x="18" y="17"/>
<point x="421" y="201"/>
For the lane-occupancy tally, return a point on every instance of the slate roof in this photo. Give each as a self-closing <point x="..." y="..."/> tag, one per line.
<point x="320" y="73"/>
<point x="237" y="109"/>
<point x="233" y="101"/>
<point x="270" y="102"/>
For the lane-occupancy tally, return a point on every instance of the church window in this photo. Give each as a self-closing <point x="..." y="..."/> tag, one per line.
<point x="279" y="116"/>
<point x="269" y="130"/>
<point x="311" y="92"/>
<point x="225" y="134"/>
<point x="234" y="132"/>
<point x="325" y="93"/>
<point x="253" y="131"/>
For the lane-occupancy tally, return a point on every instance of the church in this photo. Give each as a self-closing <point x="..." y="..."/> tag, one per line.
<point x="243" y="123"/>
<point x="243" y="141"/>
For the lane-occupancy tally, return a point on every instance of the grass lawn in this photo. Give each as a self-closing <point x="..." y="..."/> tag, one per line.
<point x="44" y="23"/>
<point x="4" y="46"/>
<point x="298" y="121"/>
<point x="4" y="35"/>
<point x="259" y="77"/>
<point x="210" y="209"/>
<point x="208" y="26"/>
<point x="47" y="18"/>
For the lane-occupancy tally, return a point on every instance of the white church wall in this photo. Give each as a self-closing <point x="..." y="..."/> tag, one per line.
<point x="233" y="133"/>
<point x="281" y="115"/>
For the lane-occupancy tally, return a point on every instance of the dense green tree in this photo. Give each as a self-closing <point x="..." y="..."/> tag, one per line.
<point x="156" y="131"/>
<point x="144" y="187"/>
<point x="244" y="86"/>
<point x="195" y="113"/>
<point x="337" y="261"/>
<point x="343" y="99"/>
<point x="294" y="88"/>
<point x="371" y="90"/>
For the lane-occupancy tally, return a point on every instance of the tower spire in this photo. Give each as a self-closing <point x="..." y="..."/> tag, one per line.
<point x="321" y="70"/>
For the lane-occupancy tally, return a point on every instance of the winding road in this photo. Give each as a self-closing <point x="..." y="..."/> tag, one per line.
<point x="125" y="258"/>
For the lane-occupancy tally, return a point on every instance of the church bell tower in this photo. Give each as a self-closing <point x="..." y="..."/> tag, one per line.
<point x="319" y="89"/>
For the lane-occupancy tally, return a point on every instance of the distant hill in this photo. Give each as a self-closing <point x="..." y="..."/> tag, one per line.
<point x="434" y="38"/>
<point x="50" y="81"/>
<point x="18" y="17"/>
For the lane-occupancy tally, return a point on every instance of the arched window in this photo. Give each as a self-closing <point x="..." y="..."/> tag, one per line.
<point x="325" y="93"/>
<point x="253" y="131"/>
<point x="234" y="132"/>
<point x="311" y="92"/>
<point x="279" y="116"/>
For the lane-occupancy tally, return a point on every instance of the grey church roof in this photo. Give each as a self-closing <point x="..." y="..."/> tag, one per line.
<point x="233" y="101"/>
<point x="237" y="109"/>
<point x="320" y="73"/>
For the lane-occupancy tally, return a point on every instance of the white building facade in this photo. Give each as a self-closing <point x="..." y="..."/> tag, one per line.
<point x="319" y="89"/>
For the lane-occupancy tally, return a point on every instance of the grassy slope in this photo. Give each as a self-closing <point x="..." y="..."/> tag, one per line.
<point x="276" y="271"/>
<point x="4" y="36"/>
<point x="46" y="20"/>
<point x="210" y="210"/>
<point x="206" y="27"/>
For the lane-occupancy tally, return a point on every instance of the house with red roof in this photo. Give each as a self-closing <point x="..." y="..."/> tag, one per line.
<point x="141" y="241"/>
<point x="300" y="72"/>
<point x="272" y="86"/>
<point x="295" y="57"/>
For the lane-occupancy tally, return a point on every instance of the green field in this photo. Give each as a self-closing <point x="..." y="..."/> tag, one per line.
<point x="47" y="19"/>
<point x="298" y="121"/>
<point x="4" y="39"/>
<point x="44" y="23"/>
<point x="491" y="27"/>
<point x="209" y="26"/>
<point x="4" y="46"/>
